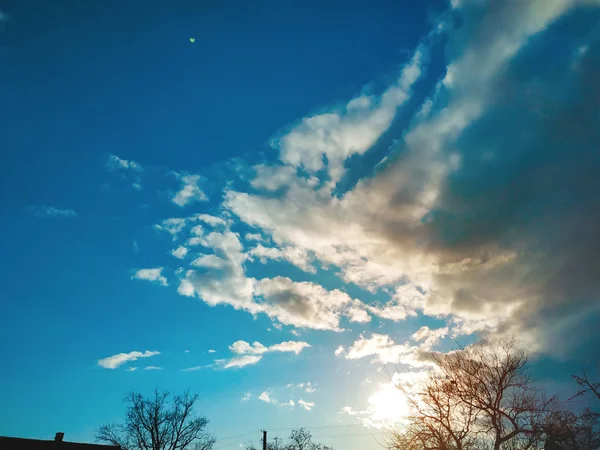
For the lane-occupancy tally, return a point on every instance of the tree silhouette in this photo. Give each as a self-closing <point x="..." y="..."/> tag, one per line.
<point x="299" y="439"/>
<point x="567" y="430"/>
<point x="154" y="423"/>
<point x="586" y="386"/>
<point x="479" y="397"/>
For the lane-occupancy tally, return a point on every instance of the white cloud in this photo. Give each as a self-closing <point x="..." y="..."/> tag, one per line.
<point x="290" y="404"/>
<point x="272" y="178"/>
<point x="407" y="229"/>
<point x="309" y="388"/>
<point x="340" y="350"/>
<point x="293" y="255"/>
<point x="45" y="211"/>
<point x="179" y="252"/>
<point x="340" y="134"/>
<point x="306" y="405"/>
<point x="302" y="304"/>
<point x="252" y="353"/>
<point x="186" y="288"/>
<point x="357" y="313"/>
<point x="243" y="347"/>
<point x="190" y="191"/>
<point x="136" y="247"/>
<point x="131" y="369"/>
<point x="173" y="226"/>
<point x="115" y="163"/>
<point x="379" y="345"/>
<point x="238" y="361"/>
<point x="404" y="303"/>
<point x="225" y="282"/>
<point x="213" y="221"/>
<point x="376" y="233"/>
<point x="196" y="368"/>
<point x="265" y="397"/>
<point x="289" y="346"/>
<point x="212" y="351"/>
<point x="253" y="237"/>
<point x="151" y="275"/>
<point x="385" y="350"/>
<point x="112" y="362"/>
<point x="247" y="396"/>
<point x="152" y="368"/>
<point x="210" y="262"/>
<point x="428" y="336"/>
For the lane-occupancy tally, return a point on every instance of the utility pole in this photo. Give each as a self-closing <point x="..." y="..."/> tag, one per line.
<point x="264" y="432"/>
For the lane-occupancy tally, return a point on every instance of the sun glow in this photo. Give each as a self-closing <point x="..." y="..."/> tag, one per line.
<point x="388" y="405"/>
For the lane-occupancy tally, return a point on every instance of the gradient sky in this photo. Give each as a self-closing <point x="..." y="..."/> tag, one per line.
<point x="308" y="191"/>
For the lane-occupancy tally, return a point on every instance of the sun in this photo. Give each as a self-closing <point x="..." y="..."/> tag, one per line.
<point x="388" y="405"/>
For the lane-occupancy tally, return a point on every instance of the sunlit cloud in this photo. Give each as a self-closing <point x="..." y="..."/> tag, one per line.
<point x="154" y="275"/>
<point x="115" y="361"/>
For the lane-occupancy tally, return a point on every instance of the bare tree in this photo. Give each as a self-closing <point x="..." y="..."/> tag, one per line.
<point x="586" y="386"/>
<point x="439" y="420"/>
<point x="154" y="423"/>
<point x="567" y="430"/>
<point x="275" y="444"/>
<point x="492" y="378"/>
<point x="300" y="439"/>
<point x="479" y="397"/>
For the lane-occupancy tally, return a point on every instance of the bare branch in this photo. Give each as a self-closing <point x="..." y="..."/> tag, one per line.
<point x="154" y="423"/>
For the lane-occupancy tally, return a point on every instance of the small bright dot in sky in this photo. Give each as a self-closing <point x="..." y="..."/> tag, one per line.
<point x="192" y="40"/>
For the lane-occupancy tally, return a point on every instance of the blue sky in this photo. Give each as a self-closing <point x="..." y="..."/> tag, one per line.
<point x="344" y="184"/>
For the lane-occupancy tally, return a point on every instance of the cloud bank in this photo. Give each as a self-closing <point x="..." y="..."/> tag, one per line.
<point x="484" y="212"/>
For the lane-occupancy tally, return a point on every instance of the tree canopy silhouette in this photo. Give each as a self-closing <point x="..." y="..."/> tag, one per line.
<point x="479" y="397"/>
<point x="158" y="422"/>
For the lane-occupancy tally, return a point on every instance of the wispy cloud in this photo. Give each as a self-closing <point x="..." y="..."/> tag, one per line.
<point x="129" y="169"/>
<point x="289" y="346"/>
<point x="190" y="191"/>
<point x="115" y="163"/>
<point x="151" y="275"/>
<point x="306" y="405"/>
<point x="243" y="347"/>
<point x="267" y="398"/>
<point x="45" y="211"/>
<point x="112" y="362"/>
<point x="252" y="353"/>
<point x="196" y="368"/>
<point x="173" y="226"/>
<point x="152" y="368"/>
<point x="238" y="361"/>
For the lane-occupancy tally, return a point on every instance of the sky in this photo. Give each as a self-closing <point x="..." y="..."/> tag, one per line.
<point x="274" y="204"/>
